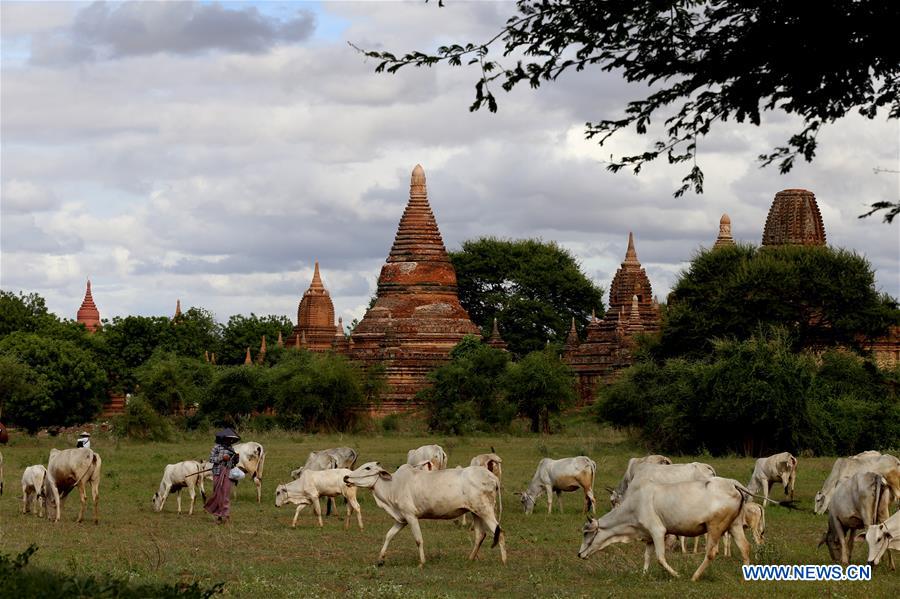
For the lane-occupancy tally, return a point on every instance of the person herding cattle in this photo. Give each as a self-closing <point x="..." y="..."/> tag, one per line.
<point x="224" y="459"/>
<point x="84" y="440"/>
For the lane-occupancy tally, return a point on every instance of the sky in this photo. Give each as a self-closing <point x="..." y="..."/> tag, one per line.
<point x="211" y="152"/>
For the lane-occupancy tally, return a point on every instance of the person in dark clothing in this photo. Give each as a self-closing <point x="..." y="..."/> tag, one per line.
<point x="223" y="458"/>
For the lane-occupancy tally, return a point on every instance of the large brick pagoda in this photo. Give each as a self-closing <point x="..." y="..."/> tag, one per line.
<point x="88" y="314"/>
<point x="607" y="346"/>
<point x="416" y="318"/>
<point x="315" y="328"/>
<point x="794" y="219"/>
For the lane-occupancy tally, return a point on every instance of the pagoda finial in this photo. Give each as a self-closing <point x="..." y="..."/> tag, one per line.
<point x="630" y="254"/>
<point x="572" y="338"/>
<point x="280" y="342"/>
<point x="593" y="316"/>
<point x="724" y="239"/>
<point x="296" y="341"/>
<point x="317" y="279"/>
<point x="495" y="340"/>
<point x="247" y="358"/>
<point x="417" y="182"/>
<point x="261" y="356"/>
<point x="572" y="328"/>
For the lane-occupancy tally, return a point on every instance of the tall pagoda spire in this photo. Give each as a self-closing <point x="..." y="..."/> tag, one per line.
<point x="630" y="253"/>
<point x="177" y="308"/>
<point x="88" y="314"/>
<point x="495" y="340"/>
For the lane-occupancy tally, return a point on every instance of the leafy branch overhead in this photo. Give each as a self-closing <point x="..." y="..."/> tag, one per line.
<point x="704" y="62"/>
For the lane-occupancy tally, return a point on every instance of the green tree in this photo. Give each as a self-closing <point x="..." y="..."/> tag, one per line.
<point x="236" y="392"/>
<point x="316" y="391"/>
<point x="171" y="383"/>
<point x="466" y="393"/>
<point x="130" y="342"/>
<point x="69" y="387"/>
<point x="27" y="313"/>
<point x="705" y="62"/>
<point x="533" y="288"/>
<point x="823" y="296"/>
<point x="192" y="333"/>
<point x="540" y="385"/>
<point x="242" y="332"/>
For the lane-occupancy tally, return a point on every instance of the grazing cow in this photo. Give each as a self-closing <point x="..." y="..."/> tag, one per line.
<point x="411" y="494"/>
<point x="252" y="459"/>
<point x="326" y="459"/>
<point x="313" y="484"/>
<point x="867" y="461"/>
<point x="755" y="519"/>
<point x="858" y="502"/>
<point x="660" y="472"/>
<point x="556" y="476"/>
<point x="428" y="453"/>
<point x="652" y="510"/>
<point x="781" y="467"/>
<point x="881" y="537"/>
<point x="619" y="492"/>
<point x="494" y="465"/>
<point x="66" y="470"/>
<point x="33" y="489"/>
<point x="177" y="477"/>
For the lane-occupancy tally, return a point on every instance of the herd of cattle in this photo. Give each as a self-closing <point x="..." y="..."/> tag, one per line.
<point x="656" y="502"/>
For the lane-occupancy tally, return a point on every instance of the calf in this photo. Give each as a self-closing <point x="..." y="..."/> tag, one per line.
<point x="313" y="484"/>
<point x="781" y="467"/>
<point x="557" y="476"/>
<point x="177" y="477"/>
<point x="252" y="459"/>
<point x="858" y="502"/>
<point x="326" y="459"/>
<point x="652" y="510"/>
<point x="411" y="494"/>
<point x="494" y="465"/>
<point x="33" y="489"/>
<point x="754" y="517"/>
<point x="66" y="470"/>
<point x="428" y="453"/>
<point x="882" y="537"/>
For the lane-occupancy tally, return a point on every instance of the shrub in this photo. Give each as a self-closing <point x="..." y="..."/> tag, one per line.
<point x="235" y="393"/>
<point x="172" y="383"/>
<point x="141" y="421"/>
<point x="540" y="385"/>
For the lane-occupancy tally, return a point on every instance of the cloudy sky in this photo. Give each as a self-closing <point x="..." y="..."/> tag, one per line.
<point x="211" y="151"/>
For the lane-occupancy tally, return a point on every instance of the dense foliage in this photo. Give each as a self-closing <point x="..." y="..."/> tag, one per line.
<point x="541" y="386"/>
<point x="171" y="383"/>
<point x="19" y="579"/>
<point x="824" y="296"/>
<point x="758" y="396"/>
<point x="242" y="332"/>
<point x="705" y="62"/>
<point x="533" y="288"/>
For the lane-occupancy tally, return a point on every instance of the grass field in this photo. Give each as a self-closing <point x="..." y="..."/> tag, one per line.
<point x="259" y="555"/>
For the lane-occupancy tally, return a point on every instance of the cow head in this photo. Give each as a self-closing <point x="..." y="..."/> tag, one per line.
<point x="367" y="475"/>
<point x="821" y="503"/>
<point x="879" y="539"/>
<point x="527" y="501"/>
<point x="156" y="502"/>
<point x="295" y="474"/>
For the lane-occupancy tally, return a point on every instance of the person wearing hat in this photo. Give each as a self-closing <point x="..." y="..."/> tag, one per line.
<point x="223" y="458"/>
<point x="84" y="440"/>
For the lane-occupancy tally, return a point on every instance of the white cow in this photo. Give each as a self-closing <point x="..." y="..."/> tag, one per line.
<point x="326" y="459"/>
<point x="411" y="494"/>
<point x="66" y="470"/>
<point x="664" y="473"/>
<point x="313" y="484"/>
<point x="781" y="467"/>
<point x="252" y="459"/>
<point x="615" y="495"/>
<point x="652" y="510"/>
<point x="556" y="476"/>
<point x="33" y="489"/>
<point x="428" y="453"/>
<point x="867" y="461"/>
<point x="858" y="502"/>
<point x="881" y="537"/>
<point x="177" y="477"/>
<point x="754" y="519"/>
<point x="494" y="465"/>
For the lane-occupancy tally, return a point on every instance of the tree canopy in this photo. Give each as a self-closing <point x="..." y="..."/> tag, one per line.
<point x="705" y="62"/>
<point x="534" y="289"/>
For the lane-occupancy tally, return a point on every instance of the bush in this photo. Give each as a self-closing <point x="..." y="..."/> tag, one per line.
<point x="18" y="579"/>
<point x="235" y="393"/>
<point x="540" y="385"/>
<point x="172" y="383"/>
<point x="141" y="421"/>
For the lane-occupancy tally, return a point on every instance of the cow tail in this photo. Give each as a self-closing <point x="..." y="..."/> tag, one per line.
<point x="879" y="489"/>
<point x="497" y="532"/>
<point x="261" y="460"/>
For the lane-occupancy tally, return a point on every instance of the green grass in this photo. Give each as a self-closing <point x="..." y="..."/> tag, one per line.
<point x="259" y="555"/>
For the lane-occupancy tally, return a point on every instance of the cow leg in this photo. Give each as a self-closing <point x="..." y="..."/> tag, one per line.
<point x="683" y="541"/>
<point x="712" y="548"/>
<point x="178" y="500"/>
<point x="589" y="501"/>
<point x="559" y="501"/>
<point x="353" y="503"/>
<point x="24" y="501"/>
<point x="417" y="535"/>
<point x="851" y="537"/>
<point x="549" y="491"/>
<point x="648" y="553"/>
<point x="480" y="533"/>
<point x="297" y="513"/>
<point x="82" y="493"/>
<point x="193" y="493"/>
<point x="258" y="483"/>
<point x="318" y="509"/>
<point x="697" y="542"/>
<point x="397" y="527"/>
<point x="95" y="496"/>
<point x="659" y="545"/>
<point x="726" y="538"/>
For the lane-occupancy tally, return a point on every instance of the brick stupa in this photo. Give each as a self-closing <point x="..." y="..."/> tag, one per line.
<point x="609" y="341"/>
<point x="417" y="318"/>
<point x="315" y="328"/>
<point x="88" y="314"/>
<point x="794" y="219"/>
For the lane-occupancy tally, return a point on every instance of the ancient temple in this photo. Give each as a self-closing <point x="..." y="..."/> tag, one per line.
<point x="607" y="346"/>
<point x="794" y="219"/>
<point x="315" y="328"/>
<point x="724" y="239"/>
<point x="416" y="318"/>
<point x="88" y="314"/>
<point x="495" y="340"/>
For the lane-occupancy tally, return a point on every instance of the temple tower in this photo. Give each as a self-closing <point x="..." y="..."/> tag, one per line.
<point x="315" y="317"/>
<point x="724" y="239"/>
<point x="417" y="318"/>
<point x="794" y="219"/>
<point x="88" y="314"/>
